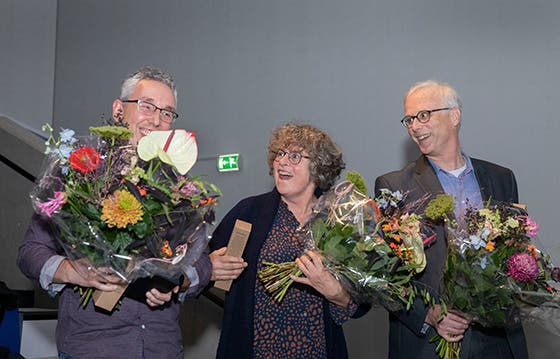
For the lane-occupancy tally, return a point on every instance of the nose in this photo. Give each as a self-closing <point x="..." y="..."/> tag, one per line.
<point x="155" y="117"/>
<point x="415" y="124"/>
<point x="282" y="160"/>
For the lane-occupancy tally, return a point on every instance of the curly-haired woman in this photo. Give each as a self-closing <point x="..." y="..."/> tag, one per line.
<point x="304" y="161"/>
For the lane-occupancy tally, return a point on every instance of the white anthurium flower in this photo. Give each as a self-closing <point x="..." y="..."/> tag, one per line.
<point x="175" y="147"/>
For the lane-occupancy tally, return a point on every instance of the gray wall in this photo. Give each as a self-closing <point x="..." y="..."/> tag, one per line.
<point x="246" y="66"/>
<point x="28" y="39"/>
<point x="27" y="53"/>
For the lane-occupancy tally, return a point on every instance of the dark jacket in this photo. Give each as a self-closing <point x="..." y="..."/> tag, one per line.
<point x="405" y="338"/>
<point x="236" y="339"/>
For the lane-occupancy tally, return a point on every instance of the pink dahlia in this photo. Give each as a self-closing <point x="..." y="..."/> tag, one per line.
<point x="523" y="267"/>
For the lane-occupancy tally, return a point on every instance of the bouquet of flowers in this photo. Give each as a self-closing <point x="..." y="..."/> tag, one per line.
<point x="373" y="247"/>
<point x="494" y="272"/>
<point x="124" y="210"/>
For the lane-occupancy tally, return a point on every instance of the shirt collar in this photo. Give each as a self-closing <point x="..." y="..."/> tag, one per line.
<point x="467" y="170"/>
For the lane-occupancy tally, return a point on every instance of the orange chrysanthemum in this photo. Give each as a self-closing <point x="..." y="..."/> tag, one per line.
<point x="490" y="246"/>
<point x="121" y="209"/>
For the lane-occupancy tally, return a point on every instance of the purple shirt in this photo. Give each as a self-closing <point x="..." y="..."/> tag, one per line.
<point x="134" y="331"/>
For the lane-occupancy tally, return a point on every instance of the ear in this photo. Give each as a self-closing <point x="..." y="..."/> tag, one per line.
<point x="118" y="110"/>
<point x="455" y="115"/>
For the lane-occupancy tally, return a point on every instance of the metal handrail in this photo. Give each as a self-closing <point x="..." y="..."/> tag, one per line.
<point x="25" y="134"/>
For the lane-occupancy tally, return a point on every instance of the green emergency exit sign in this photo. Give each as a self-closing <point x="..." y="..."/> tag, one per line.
<point x="228" y="163"/>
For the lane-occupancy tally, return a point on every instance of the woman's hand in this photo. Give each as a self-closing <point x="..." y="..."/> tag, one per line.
<point x="226" y="267"/>
<point x="318" y="277"/>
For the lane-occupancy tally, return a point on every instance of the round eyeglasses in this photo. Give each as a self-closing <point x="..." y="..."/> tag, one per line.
<point x="293" y="157"/>
<point x="148" y="108"/>
<point x="422" y="116"/>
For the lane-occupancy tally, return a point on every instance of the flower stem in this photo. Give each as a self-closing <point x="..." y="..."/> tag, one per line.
<point x="276" y="278"/>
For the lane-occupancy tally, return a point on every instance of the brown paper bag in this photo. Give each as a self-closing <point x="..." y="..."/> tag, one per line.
<point x="236" y="245"/>
<point x="108" y="300"/>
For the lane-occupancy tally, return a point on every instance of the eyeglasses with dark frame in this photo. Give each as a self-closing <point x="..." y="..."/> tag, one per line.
<point x="149" y="108"/>
<point x="293" y="157"/>
<point x="422" y="116"/>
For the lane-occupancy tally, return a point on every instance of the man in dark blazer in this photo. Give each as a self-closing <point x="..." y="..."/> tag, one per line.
<point x="433" y="118"/>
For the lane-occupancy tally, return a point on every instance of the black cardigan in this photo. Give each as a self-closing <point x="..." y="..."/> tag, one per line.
<point x="236" y="339"/>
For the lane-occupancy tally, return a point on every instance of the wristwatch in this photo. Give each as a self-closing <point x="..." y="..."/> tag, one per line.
<point x="425" y="328"/>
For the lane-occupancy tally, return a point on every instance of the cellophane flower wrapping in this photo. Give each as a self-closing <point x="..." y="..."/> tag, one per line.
<point x="372" y="250"/>
<point x="118" y="214"/>
<point x="495" y="273"/>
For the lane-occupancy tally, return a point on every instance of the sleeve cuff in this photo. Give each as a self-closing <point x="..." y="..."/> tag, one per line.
<point x="192" y="276"/>
<point x="47" y="275"/>
<point x="425" y="328"/>
<point x="341" y="314"/>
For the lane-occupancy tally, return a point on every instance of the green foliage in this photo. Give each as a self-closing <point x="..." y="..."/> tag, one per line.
<point x="440" y="208"/>
<point x="342" y="246"/>
<point x="121" y="241"/>
<point x="116" y="132"/>
<point x="356" y="178"/>
<point x="477" y="289"/>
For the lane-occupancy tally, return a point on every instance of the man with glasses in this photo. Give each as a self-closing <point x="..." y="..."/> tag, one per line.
<point x="136" y="329"/>
<point x="433" y="118"/>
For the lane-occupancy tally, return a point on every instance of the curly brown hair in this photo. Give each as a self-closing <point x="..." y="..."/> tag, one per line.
<point x="326" y="158"/>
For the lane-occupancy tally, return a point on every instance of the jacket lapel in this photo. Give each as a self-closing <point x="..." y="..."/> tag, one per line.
<point x="263" y="217"/>
<point x="425" y="176"/>
<point x="483" y="180"/>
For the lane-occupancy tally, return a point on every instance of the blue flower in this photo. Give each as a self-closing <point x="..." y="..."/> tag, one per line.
<point x="477" y="242"/>
<point x="483" y="262"/>
<point x="64" y="150"/>
<point x="67" y="136"/>
<point x="382" y="203"/>
<point x="485" y="233"/>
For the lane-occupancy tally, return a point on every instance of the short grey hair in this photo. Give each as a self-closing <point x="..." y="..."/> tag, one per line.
<point x="146" y="73"/>
<point x="450" y="96"/>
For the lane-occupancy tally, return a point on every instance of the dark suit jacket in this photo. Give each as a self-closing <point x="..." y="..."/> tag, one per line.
<point x="236" y="339"/>
<point x="405" y="338"/>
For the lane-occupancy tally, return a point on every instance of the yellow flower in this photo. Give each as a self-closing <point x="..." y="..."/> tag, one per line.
<point x="490" y="246"/>
<point x="121" y="209"/>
